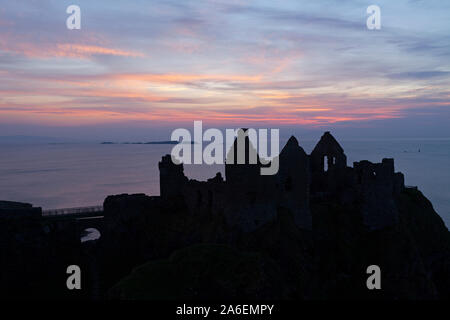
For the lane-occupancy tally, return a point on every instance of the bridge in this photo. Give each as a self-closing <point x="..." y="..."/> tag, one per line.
<point x="81" y="217"/>
<point x="76" y="212"/>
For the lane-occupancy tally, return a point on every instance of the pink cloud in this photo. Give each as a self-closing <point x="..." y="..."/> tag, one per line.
<point x="12" y="44"/>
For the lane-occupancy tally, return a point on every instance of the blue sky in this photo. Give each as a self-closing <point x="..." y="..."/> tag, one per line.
<point x="141" y="68"/>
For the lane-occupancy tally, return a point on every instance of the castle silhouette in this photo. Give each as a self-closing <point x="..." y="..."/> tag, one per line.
<point x="248" y="200"/>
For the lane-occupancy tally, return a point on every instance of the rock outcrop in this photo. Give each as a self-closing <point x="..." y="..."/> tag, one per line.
<point x="318" y="222"/>
<point x="34" y="254"/>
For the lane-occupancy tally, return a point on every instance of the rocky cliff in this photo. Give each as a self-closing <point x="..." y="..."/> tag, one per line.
<point x="180" y="256"/>
<point x="308" y="232"/>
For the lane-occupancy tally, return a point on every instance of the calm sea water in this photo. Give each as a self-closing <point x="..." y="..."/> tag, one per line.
<point x="72" y="175"/>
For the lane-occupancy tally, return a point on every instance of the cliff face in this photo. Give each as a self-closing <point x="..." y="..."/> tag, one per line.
<point x="318" y="223"/>
<point x="328" y="262"/>
<point x="406" y="252"/>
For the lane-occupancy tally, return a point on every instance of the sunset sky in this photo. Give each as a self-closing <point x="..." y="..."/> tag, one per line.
<point x="140" y="68"/>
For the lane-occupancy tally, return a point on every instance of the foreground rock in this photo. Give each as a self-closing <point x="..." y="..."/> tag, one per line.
<point x="34" y="254"/>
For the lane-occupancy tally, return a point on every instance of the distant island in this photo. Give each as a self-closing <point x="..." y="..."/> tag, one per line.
<point x="150" y="142"/>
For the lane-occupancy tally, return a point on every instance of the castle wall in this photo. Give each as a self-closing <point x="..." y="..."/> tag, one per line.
<point x="377" y="183"/>
<point x="294" y="179"/>
<point x="171" y="178"/>
<point x="328" y="163"/>
<point x="248" y="200"/>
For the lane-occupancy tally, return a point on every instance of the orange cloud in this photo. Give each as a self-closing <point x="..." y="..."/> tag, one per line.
<point x="181" y="78"/>
<point x="112" y="97"/>
<point x="82" y="51"/>
<point x="49" y="50"/>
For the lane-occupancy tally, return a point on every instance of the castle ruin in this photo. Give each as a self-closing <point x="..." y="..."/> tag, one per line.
<point x="248" y="200"/>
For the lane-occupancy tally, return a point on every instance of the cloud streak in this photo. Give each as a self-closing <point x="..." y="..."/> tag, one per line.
<point x="293" y="63"/>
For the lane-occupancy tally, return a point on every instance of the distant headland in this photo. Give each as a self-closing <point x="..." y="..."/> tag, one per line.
<point x="149" y="142"/>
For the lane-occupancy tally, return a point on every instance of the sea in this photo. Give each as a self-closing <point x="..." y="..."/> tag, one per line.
<point x="66" y="175"/>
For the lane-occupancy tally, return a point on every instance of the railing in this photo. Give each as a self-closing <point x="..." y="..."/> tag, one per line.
<point x="66" y="211"/>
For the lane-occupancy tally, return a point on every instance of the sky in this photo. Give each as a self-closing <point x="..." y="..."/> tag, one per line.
<point x="139" y="69"/>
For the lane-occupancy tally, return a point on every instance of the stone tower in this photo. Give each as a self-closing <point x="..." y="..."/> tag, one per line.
<point x="242" y="165"/>
<point x="171" y="178"/>
<point x="294" y="180"/>
<point x="328" y="165"/>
